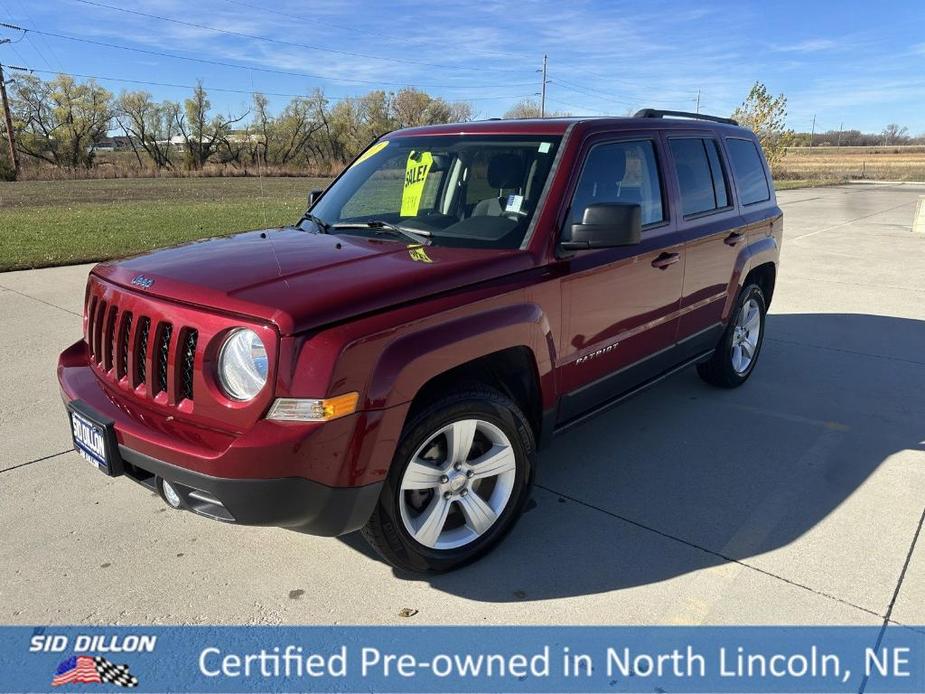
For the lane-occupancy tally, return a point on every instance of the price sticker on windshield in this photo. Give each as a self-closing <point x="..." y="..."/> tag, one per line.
<point x="416" y="171"/>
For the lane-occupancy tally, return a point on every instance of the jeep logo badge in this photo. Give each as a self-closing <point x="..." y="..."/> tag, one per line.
<point x="142" y="281"/>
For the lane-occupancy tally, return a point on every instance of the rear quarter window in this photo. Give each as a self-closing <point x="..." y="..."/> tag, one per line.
<point x="751" y="181"/>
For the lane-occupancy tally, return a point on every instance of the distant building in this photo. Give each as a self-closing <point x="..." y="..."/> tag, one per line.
<point x="117" y="143"/>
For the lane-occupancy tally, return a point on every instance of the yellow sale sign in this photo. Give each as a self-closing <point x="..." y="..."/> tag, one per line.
<point x="416" y="171"/>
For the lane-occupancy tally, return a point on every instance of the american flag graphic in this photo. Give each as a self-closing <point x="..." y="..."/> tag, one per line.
<point x="86" y="669"/>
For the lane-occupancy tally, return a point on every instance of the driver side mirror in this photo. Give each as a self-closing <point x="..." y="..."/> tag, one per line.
<point x="606" y="225"/>
<point x="313" y="197"/>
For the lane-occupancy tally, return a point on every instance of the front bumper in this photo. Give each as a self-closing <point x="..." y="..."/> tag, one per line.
<point x="313" y="477"/>
<point x="290" y="502"/>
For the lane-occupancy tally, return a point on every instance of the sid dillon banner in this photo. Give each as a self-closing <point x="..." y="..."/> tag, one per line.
<point x="463" y="659"/>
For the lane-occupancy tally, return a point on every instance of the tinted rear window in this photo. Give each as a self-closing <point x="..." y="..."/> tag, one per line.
<point x="694" y="176"/>
<point x="749" y="171"/>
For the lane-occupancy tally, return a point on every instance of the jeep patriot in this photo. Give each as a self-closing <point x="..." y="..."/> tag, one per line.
<point x="457" y="296"/>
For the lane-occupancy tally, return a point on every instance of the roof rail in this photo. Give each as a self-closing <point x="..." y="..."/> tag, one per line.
<point x="658" y="113"/>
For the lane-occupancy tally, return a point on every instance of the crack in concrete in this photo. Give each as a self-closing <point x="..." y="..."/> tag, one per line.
<point x="850" y="221"/>
<point x="41" y="301"/>
<point x="37" y="460"/>
<point x="887" y="618"/>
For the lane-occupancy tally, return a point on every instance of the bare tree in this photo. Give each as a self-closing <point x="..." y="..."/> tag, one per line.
<point x="895" y="134"/>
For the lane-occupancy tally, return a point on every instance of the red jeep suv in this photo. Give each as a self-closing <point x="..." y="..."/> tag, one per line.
<point x="457" y="296"/>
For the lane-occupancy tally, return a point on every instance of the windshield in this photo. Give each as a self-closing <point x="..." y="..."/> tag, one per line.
<point x="464" y="191"/>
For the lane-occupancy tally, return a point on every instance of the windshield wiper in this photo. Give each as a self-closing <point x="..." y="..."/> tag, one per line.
<point x="417" y="235"/>
<point x="323" y="226"/>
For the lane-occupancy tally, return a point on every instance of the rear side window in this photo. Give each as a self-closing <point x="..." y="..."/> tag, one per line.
<point x="624" y="172"/>
<point x="700" y="175"/>
<point x="749" y="171"/>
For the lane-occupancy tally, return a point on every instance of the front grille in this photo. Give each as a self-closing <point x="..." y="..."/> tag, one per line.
<point x="141" y="351"/>
<point x="134" y="346"/>
<point x="161" y="357"/>
<point x="187" y="361"/>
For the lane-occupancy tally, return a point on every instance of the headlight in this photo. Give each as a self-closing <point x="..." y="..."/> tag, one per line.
<point x="242" y="365"/>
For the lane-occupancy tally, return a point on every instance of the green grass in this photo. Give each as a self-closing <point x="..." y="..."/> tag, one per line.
<point x="65" y="222"/>
<point x="47" y="223"/>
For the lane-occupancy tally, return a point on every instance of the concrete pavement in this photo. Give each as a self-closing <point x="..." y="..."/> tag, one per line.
<point x="795" y="499"/>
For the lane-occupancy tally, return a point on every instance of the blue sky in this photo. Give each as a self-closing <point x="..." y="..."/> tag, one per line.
<point x="857" y="63"/>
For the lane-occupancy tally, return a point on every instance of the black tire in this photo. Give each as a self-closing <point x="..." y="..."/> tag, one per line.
<point x="386" y="532"/>
<point x="719" y="370"/>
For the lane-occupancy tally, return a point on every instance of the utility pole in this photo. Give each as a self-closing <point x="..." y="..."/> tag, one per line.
<point x="813" y="131"/>
<point x="841" y="126"/>
<point x="698" y="101"/>
<point x="543" y="91"/>
<point x="14" y="156"/>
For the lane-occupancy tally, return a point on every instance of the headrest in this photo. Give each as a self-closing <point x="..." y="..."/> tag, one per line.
<point x="505" y="171"/>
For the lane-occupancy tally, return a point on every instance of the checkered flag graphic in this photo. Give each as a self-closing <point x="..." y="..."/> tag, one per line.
<point x="111" y="673"/>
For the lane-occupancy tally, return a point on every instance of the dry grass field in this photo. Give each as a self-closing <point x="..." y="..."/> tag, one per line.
<point x="901" y="163"/>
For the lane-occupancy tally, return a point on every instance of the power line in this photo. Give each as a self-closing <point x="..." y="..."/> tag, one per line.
<point x="577" y="108"/>
<point x="25" y="35"/>
<point x="586" y="93"/>
<point x="221" y="89"/>
<point x="274" y="71"/>
<point x="282" y="42"/>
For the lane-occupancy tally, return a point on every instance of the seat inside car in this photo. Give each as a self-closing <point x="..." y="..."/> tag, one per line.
<point x="604" y="180"/>
<point x="505" y="172"/>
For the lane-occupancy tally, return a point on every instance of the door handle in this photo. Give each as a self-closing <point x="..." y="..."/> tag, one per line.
<point x="733" y="238"/>
<point x="666" y="259"/>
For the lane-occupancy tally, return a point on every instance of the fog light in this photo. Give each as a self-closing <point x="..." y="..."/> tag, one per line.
<point x="170" y="494"/>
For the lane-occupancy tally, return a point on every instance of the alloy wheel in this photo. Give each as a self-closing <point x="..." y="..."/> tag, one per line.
<point x="745" y="336"/>
<point x="458" y="484"/>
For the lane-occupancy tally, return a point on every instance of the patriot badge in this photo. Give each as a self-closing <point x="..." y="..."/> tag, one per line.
<point x="87" y="669"/>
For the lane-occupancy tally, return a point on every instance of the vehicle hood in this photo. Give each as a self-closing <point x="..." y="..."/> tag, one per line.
<point x="301" y="280"/>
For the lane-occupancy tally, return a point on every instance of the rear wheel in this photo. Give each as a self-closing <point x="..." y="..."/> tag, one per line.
<point x="458" y="482"/>
<point x="737" y="352"/>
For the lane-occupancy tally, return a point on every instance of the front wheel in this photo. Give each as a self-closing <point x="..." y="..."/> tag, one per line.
<point x="461" y="474"/>
<point x="737" y="352"/>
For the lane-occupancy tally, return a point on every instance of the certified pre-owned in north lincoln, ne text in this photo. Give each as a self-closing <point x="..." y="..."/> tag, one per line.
<point x="457" y="296"/>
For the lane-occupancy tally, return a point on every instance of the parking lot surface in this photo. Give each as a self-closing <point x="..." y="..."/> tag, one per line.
<point x="795" y="499"/>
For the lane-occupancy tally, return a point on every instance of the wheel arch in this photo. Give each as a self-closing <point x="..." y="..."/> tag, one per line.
<point x="509" y="348"/>
<point x="765" y="276"/>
